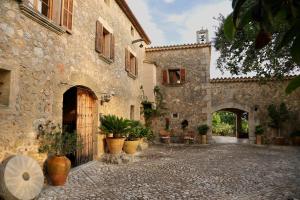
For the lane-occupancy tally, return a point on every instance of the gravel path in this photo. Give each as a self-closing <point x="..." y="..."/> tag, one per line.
<point x="222" y="172"/>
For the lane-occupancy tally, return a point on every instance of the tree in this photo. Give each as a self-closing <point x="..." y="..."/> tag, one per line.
<point x="278" y="116"/>
<point x="261" y="36"/>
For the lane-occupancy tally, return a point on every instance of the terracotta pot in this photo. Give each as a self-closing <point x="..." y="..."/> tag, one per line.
<point x="115" y="145"/>
<point x="203" y="139"/>
<point x="279" y="141"/>
<point x="165" y="140"/>
<point x="259" y="139"/>
<point x="130" y="147"/>
<point x="296" y="140"/>
<point x="58" y="168"/>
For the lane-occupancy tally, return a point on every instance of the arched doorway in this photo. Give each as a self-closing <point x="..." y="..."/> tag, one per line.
<point x="230" y="125"/>
<point x="80" y="117"/>
<point x="240" y="112"/>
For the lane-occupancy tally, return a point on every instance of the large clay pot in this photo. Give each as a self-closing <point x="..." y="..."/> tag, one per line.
<point x="115" y="145"/>
<point x="130" y="147"/>
<point x="259" y="139"/>
<point x="203" y="139"/>
<point x="58" y="168"/>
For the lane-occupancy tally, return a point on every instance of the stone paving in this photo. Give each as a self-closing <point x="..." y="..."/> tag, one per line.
<point x="227" y="171"/>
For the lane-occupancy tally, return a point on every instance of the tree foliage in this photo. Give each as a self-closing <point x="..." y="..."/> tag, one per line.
<point x="261" y="36"/>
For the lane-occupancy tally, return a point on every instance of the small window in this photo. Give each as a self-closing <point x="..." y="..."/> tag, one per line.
<point x="131" y="63"/>
<point x="67" y="14"/>
<point x="105" y="42"/>
<point x="131" y="112"/>
<point x="5" y="77"/>
<point x="175" y="115"/>
<point x="132" y="31"/>
<point x="174" y="76"/>
<point x="42" y="6"/>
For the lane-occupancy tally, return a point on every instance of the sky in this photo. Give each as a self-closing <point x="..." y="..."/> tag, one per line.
<point x="176" y="21"/>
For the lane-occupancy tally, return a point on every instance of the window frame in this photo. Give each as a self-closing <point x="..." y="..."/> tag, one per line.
<point x="105" y="42"/>
<point x="166" y="79"/>
<point x="35" y="5"/>
<point x="130" y="68"/>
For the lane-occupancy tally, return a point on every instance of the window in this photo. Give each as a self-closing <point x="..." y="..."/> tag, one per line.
<point x="131" y="63"/>
<point x="5" y="77"/>
<point x="131" y="112"/>
<point x="60" y="12"/>
<point x="105" y="42"/>
<point x="174" y="76"/>
<point x="42" y="6"/>
<point x="175" y="115"/>
<point x="67" y="14"/>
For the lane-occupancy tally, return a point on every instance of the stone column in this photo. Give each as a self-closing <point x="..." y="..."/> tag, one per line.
<point x="238" y="124"/>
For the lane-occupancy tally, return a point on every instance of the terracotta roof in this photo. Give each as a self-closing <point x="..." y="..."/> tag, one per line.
<point x="249" y="79"/>
<point x="178" y="46"/>
<point x="125" y="8"/>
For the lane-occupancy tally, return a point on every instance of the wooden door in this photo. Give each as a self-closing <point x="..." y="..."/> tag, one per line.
<point x="85" y="125"/>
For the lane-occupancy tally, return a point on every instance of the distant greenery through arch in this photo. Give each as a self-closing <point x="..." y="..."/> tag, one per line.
<point x="224" y="124"/>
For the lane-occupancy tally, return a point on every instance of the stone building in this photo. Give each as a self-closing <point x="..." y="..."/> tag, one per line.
<point x="52" y="68"/>
<point x="71" y="61"/>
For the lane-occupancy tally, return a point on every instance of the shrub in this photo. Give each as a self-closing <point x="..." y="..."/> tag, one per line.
<point x="202" y="129"/>
<point x="295" y="133"/>
<point x="259" y="130"/>
<point x="223" y="129"/>
<point x="54" y="141"/>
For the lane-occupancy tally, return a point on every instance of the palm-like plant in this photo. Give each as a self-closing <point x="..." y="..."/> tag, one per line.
<point x="278" y="116"/>
<point x="111" y="124"/>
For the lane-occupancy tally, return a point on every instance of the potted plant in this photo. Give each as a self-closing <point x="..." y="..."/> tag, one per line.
<point x="115" y="129"/>
<point x="259" y="131"/>
<point x="57" y="144"/>
<point x="132" y="140"/>
<point x="296" y="137"/>
<point x="278" y="117"/>
<point x="202" y="130"/>
<point x="165" y="134"/>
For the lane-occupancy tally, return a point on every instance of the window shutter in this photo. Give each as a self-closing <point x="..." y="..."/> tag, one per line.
<point x="182" y="75"/>
<point x="99" y="37"/>
<point x="136" y="67"/>
<point x="165" y="77"/>
<point x="56" y="13"/>
<point x="127" y="60"/>
<point x="67" y="14"/>
<point x="112" y="46"/>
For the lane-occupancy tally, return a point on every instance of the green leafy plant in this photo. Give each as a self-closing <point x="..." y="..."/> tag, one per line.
<point x="111" y="124"/>
<point x="137" y="131"/>
<point x="264" y="36"/>
<point x="295" y="133"/>
<point x="202" y="129"/>
<point x="259" y="130"/>
<point x="54" y="141"/>
<point x="278" y="116"/>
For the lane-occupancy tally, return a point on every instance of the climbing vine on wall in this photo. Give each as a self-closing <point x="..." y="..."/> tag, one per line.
<point x="151" y="110"/>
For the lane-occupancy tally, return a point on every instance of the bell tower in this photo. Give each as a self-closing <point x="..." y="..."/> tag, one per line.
<point x="202" y="36"/>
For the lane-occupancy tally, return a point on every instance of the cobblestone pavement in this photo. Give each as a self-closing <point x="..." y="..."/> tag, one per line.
<point x="222" y="172"/>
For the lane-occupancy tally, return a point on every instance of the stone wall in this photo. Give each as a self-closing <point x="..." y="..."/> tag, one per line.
<point x="191" y="99"/>
<point x="44" y="65"/>
<point x="254" y="97"/>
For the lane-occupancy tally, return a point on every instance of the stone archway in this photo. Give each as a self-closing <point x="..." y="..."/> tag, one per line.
<point x="237" y="109"/>
<point x="80" y="117"/>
